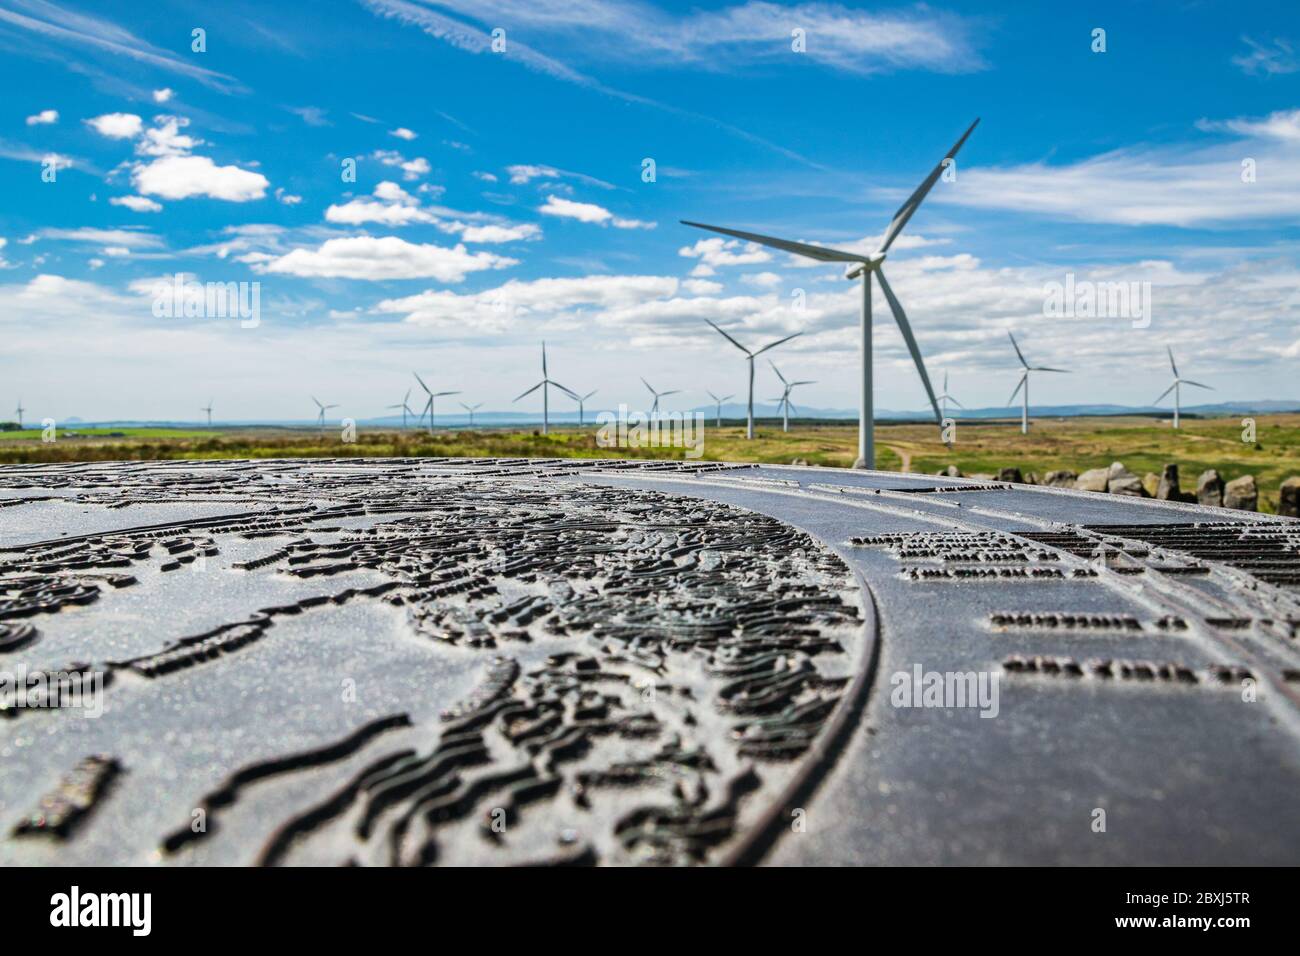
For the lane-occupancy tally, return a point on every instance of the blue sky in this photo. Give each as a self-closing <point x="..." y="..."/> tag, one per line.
<point x="499" y="197"/>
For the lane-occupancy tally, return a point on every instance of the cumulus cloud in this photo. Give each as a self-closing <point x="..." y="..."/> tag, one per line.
<point x="43" y="118"/>
<point x="117" y="125"/>
<point x="411" y="168"/>
<point x="394" y="206"/>
<point x="380" y="258"/>
<point x="403" y="133"/>
<point x="164" y="95"/>
<point x="183" y="177"/>
<point x="589" y="212"/>
<point x="136" y="203"/>
<point x="715" y="253"/>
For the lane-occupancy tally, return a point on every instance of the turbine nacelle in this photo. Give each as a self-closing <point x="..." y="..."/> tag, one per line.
<point x="867" y="265"/>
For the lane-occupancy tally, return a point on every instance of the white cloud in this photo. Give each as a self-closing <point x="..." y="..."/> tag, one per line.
<point x="495" y="233"/>
<point x="165" y="138"/>
<point x="715" y="253"/>
<point x="117" y="237"/>
<point x="411" y="168"/>
<point x="394" y="206"/>
<point x="764" y="280"/>
<point x="403" y="133"/>
<point x="1276" y="59"/>
<point x="117" y="125"/>
<point x="523" y="173"/>
<point x="116" y="252"/>
<point x="164" y="95"/>
<point x="485" y="177"/>
<point x="43" y="118"/>
<point x="136" y="203"/>
<point x="183" y="177"/>
<point x="588" y="212"/>
<point x="387" y="257"/>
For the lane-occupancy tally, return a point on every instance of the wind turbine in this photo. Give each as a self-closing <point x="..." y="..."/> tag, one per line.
<point x="20" y="411"/>
<point x="749" y="427"/>
<point x="654" y="409"/>
<point x="865" y="266"/>
<point x="1024" y="383"/>
<point x="785" y="396"/>
<point x="945" y="398"/>
<point x="428" y="405"/>
<point x="320" y="419"/>
<point x="471" y="409"/>
<point x="718" y="402"/>
<point x="581" y="399"/>
<point x="406" y="409"/>
<point x="206" y="408"/>
<point x="544" y="385"/>
<point x="1175" y="388"/>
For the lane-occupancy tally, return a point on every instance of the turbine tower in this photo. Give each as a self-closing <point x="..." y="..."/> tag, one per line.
<point x="865" y="266"/>
<point x="1176" y="388"/>
<point x="544" y="385"/>
<point x="208" y="408"/>
<point x="406" y="409"/>
<point x="1024" y="384"/>
<point x="749" y="424"/>
<point x="471" y="409"/>
<point x="428" y="405"/>
<point x="654" y="409"/>
<point x="718" y="403"/>
<point x="20" y="411"/>
<point x="581" y="399"/>
<point x="320" y="419"/>
<point x="784" y="400"/>
<point x="945" y="398"/>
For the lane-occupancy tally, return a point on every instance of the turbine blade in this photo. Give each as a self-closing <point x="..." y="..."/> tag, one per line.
<point x="912" y="347"/>
<point x="955" y="402"/>
<point x="421" y="381"/>
<point x="1018" y="387"/>
<point x="589" y="394"/>
<point x="807" y="381"/>
<point x="1044" y="368"/>
<point x="1165" y="392"/>
<point x="440" y="394"/>
<point x="820" y="253"/>
<point x="676" y="391"/>
<point x="529" y="392"/>
<point x="728" y="338"/>
<point x="914" y="201"/>
<point x="1019" y="355"/>
<point x="1197" y="384"/>
<point x="648" y="385"/>
<point x="1171" y="360"/>
<point x="778" y="372"/>
<point x="570" y="392"/>
<point x="778" y="342"/>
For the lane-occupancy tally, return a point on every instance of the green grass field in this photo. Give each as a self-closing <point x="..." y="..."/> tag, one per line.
<point x="1143" y="444"/>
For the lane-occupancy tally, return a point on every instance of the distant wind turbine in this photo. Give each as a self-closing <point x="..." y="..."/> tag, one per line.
<point x="1024" y="384"/>
<point x="654" y="409"/>
<point x="865" y="266"/>
<point x="1176" y="387"/>
<point x="428" y="405"/>
<point x="544" y="385"/>
<point x="785" y="395"/>
<point x="406" y="409"/>
<point x="749" y="427"/>
<point x="208" y="408"/>
<point x="718" y="402"/>
<point x="20" y="411"/>
<point x="581" y="399"/>
<point x="945" y="398"/>
<point x="320" y="419"/>
<point x="471" y="409"/>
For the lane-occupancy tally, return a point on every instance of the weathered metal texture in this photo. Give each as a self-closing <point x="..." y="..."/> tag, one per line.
<point x="494" y="661"/>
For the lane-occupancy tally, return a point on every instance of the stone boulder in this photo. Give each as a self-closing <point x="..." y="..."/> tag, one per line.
<point x="1209" y="489"/>
<point x="1121" y="481"/>
<point x="1241" y="493"/>
<point x="1031" y="478"/>
<point x="1151" y="484"/>
<point x="952" y="471"/>
<point x="1288" y="499"/>
<point x="1095" y="479"/>
<point x="1060" y="479"/>
<point x="1168" y="489"/>
<point x="1011" y="474"/>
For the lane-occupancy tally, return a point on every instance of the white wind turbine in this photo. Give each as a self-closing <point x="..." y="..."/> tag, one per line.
<point x="654" y="409"/>
<point x="945" y="398"/>
<point x="581" y="399"/>
<point x="1024" y="384"/>
<point x="471" y="409"/>
<point x="208" y="408"/>
<point x="406" y="409"/>
<point x="20" y="411"/>
<point x="865" y="266"/>
<point x="749" y="426"/>
<point x="784" y="400"/>
<point x="718" y="403"/>
<point x="544" y="385"/>
<point x="1177" y="386"/>
<point x="320" y="419"/>
<point x="428" y="405"/>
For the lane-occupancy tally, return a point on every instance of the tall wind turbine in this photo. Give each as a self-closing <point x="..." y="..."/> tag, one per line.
<point x="428" y="405"/>
<point x="654" y="409"/>
<point x="749" y="425"/>
<point x="1175" y="388"/>
<point x="471" y="409"/>
<point x="320" y="419"/>
<point x="544" y="385"/>
<point x="945" y="398"/>
<point x="406" y="409"/>
<point x="20" y="411"/>
<point x="581" y="399"/>
<point x="208" y="408"/>
<point x="865" y="266"/>
<point x="1024" y="384"/>
<point x="785" y="396"/>
<point x="718" y="402"/>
